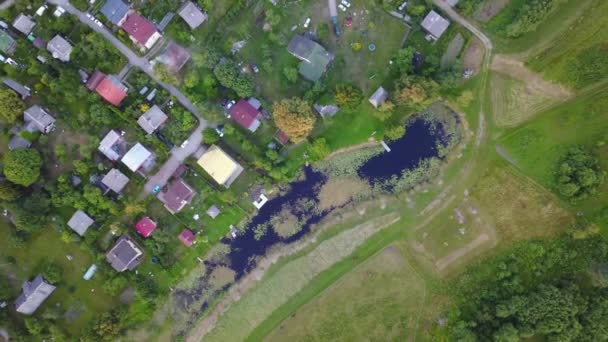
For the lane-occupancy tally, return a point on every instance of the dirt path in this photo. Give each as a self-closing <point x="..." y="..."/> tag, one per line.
<point x="461" y="252"/>
<point x="518" y="70"/>
<point x="353" y="148"/>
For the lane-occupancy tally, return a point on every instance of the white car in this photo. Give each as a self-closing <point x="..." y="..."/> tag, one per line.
<point x="89" y="15"/>
<point x="184" y="144"/>
<point x="340" y="6"/>
<point x="346" y="3"/>
<point x="307" y="22"/>
<point x="98" y="23"/>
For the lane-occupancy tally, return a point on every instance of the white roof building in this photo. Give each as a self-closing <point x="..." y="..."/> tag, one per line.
<point x="109" y="145"/>
<point x="136" y="157"/>
<point x="435" y="25"/>
<point x="80" y="222"/>
<point x="151" y="120"/>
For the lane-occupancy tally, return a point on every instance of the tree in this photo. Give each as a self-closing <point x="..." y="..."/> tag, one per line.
<point x="578" y="174"/>
<point x="22" y="166"/>
<point x="291" y="74"/>
<point x="164" y="75"/>
<point x="207" y="58"/>
<point x="229" y="75"/>
<point x="348" y="96"/>
<point x="8" y="192"/>
<point x="210" y="136"/>
<point x="318" y="149"/>
<point x="416" y="92"/>
<point x="108" y="326"/>
<point x="11" y="106"/>
<point x="403" y="60"/>
<point x="52" y="272"/>
<point x="294" y="117"/>
<point x="395" y="132"/>
<point x="192" y="79"/>
<point x="33" y="326"/>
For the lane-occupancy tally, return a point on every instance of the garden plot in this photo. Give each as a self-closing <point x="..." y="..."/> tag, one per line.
<point x="453" y="50"/>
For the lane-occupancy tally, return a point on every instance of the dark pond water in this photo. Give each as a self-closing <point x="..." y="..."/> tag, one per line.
<point x="420" y="142"/>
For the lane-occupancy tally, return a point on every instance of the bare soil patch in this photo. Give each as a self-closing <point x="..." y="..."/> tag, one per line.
<point x="473" y="55"/>
<point x="456" y="255"/>
<point x="489" y="9"/>
<point x="452" y="51"/>
<point x="339" y="191"/>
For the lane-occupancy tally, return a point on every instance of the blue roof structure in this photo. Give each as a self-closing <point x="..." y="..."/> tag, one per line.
<point x="115" y="10"/>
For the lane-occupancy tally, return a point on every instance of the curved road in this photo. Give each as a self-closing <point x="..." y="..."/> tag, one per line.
<point x="178" y="154"/>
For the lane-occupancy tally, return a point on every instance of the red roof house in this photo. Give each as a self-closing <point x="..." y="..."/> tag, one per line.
<point x="246" y="115"/>
<point x="112" y="90"/>
<point x="94" y="80"/>
<point x="282" y="137"/>
<point x="187" y="237"/>
<point x="145" y="226"/>
<point x="140" y="30"/>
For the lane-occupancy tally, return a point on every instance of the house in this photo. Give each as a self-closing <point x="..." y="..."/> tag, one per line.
<point x="111" y="146"/>
<point x="314" y="57"/>
<point x="246" y="115"/>
<point x="213" y="211"/>
<point x="435" y="25"/>
<point x="24" y="24"/>
<point x="115" y="11"/>
<point x="34" y="293"/>
<point x="18" y="88"/>
<point x="59" y="48"/>
<point x="37" y="119"/>
<point x="258" y="197"/>
<point x="125" y="255"/>
<point x="7" y="43"/>
<point x="115" y="180"/>
<point x="80" y="222"/>
<point x="140" y="30"/>
<point x="187" y="237"/>
<point x="192" y="15"/>
<point x="174" y="57"/>
<point x="176" y="196"/>
<point x="17" y="142"/>
<point x="378" y="97"/>
<point x="220" y="166"/>
<point x="145" y="226"/>
<point x="152" y="119"/>
<point x="136" y="157"/>
<point x="326" y="111"/>
<point x="108" y="87"/>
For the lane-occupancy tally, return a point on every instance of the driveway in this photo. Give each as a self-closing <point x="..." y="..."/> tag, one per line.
<point x="178" y="154"/>
<point x="464" y="22"/>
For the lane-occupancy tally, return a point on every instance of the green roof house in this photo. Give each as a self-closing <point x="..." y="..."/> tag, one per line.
<point x="314" y="57"/>
<point x="7" y="43"/>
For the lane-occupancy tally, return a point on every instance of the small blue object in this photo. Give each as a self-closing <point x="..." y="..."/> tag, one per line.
<point x="156" y="189"/>
<point x="90" y="272"/>
<point x="155" y="260"/>
<point x="372" y="47"/>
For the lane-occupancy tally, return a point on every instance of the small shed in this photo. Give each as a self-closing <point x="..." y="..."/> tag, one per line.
<point x="80" y="222"/>
<point x="115" y="180"/>
<point x="24" y="24"/>
<point x="378" y="97"/>
<point x="435" y="25"/>
<point x="145" y="226"/>
<point x="213" y="211"/>
<point x="192" y="15"/>
<point x="187" y="237"/>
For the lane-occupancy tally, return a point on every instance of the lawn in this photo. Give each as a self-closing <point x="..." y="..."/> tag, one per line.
<point x="378" y="300"/>
<point x="84" y="298"/>
<point x="537" y="146"/>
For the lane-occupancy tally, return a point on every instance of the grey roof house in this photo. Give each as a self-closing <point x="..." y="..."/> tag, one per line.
<point x="34" y="293"/>
<point x="151" y="120"/>
<point x="24" y="24"/>
<point x="378" y="97"/>
<point x="60" y="48"/>
<point x="314" y="57"/>
<point x="115" y="11"/>
<point x="110" y="146"/>
<point x="192" y="15"/>
<point x="115" y="180"/>
<point x="435" y="25"/>
<point x="80" y="222"/>
<point x="125" y="255"/>
<point x="37" y="119"/>
<point x="17" y="87"/>
<point x="17" y="142"/>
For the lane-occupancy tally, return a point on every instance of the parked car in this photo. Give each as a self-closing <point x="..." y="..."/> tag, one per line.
<point x="185" y="143"/>
<point x="307" y="22"/>
<point x="164" y="140"/>
<point x="156" y="189"/>
<point x="255" y="68"/>
<point x="340" y="6"/>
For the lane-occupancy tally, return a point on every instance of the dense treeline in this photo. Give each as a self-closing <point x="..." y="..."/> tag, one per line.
<point x="555" y="290"/>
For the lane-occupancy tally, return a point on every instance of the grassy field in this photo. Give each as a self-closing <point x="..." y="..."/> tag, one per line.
<point x="84" y="299"/>
<point x="566" y="59"/>
<point x="538" y="145"/>
<point x="388" y="295"/>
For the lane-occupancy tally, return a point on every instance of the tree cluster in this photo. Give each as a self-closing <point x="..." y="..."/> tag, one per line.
<point x="294" y="117"/>
<point x="578" y="174"/>
<point x="230" y="76"/>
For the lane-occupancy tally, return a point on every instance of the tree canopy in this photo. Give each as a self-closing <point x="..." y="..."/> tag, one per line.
<point x="11" y="106"/>
<point x="578" y="174"/>
<point x="22" y="166"/>
<point x="294" y="117"/>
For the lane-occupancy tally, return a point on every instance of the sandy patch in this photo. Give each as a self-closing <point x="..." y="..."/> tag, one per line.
<point x="473" y="56"/>
<point x="339" y="191"/>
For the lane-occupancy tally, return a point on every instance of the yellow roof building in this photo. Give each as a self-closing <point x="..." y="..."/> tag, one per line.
<point x="219" y="165"/>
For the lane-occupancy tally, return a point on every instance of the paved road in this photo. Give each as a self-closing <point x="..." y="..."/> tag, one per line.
<point x="6" y="4"/>
<point x="178" y="154"/>
<point x="333" y="9"/>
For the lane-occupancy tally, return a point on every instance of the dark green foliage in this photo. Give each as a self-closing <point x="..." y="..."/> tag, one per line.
<point x="318" y="149"/>
<point x="578" y="174"/>
<point x="210" y="136"/>
<point x="588" y="66"/>
<point x="529" y="16"/>
<point x="395" y="131"/>
<point x="52" y="272"/>
<point x="8" y="192"/>
<point x="402" y="61"/>
<point x="22" y="166"/>
<point x="4" y="289"/>
<point x="229" y="75"/>
<point x="108" y="326"/>
<point x="348" y="96"/>
<point x="115" y="285"/>
<point x="179" y="127"/>
<point x="94" y="52"/>
<point x="468" y="7"/>
<point x="11" y="106"/>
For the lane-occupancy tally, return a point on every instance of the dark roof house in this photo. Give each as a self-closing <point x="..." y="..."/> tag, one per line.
<point x="174" y="57"/>
<point x="24" y="24"/>
<point x="176" y="196"/>
<point x="60" y="48"/>
<point x="115" y="180"/>
<point x="34" y="293"/>
<point x="18" y="88"/>
<point x="80" y="222"/>
<point x="314" y="57"/>
<point x="435" y="25"/>
<point x="140" y="30"/>
<point x="145" y="226"/>
<point x="37" y="119"/>
<point x="151" y="120"/>
<point x="192" y="15"/>
<point x="378" y="97"/>
<point x="7" y="43"/>
<point x="125" y="255"/>
<point x="245" y="115"/>
<point x="115" y="11"/>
